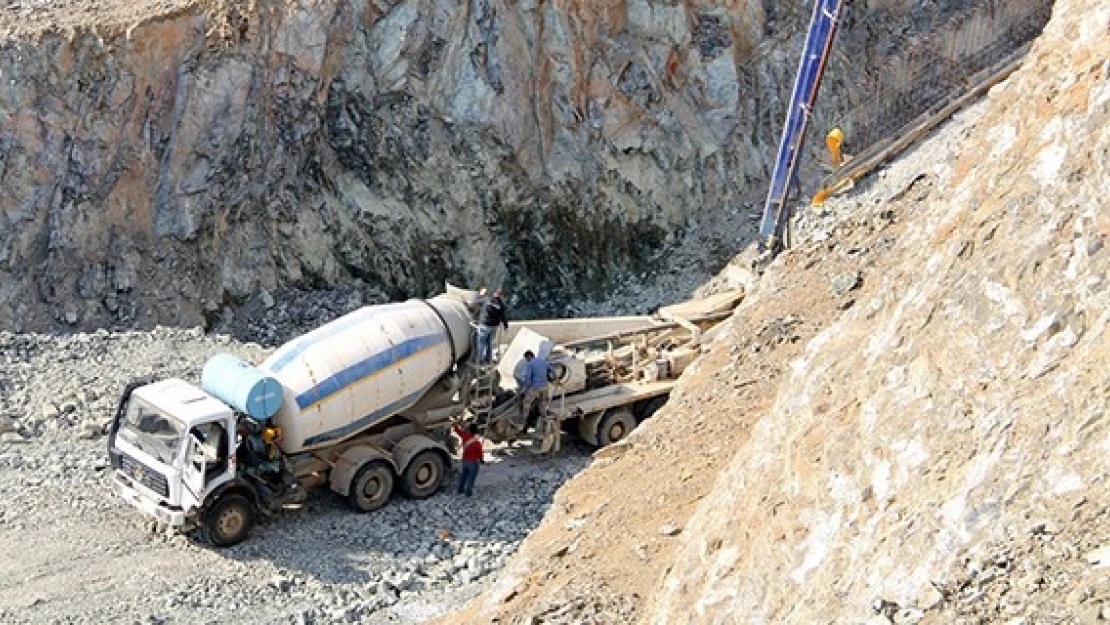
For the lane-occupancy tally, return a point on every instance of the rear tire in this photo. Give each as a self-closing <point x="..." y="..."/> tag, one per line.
<point x="229" y="521"/>
<point x="424" y="475"/>
<point x="371" y="487"/>
<point x="615" y="426"/>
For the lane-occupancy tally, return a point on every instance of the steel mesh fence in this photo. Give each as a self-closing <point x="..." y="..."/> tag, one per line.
<point x="926" y="70"/>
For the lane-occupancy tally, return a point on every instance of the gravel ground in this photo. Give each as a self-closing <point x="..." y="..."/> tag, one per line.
<point x="72" y="551"/>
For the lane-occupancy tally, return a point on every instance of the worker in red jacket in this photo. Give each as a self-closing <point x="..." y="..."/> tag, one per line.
<point x="472" y="458"/>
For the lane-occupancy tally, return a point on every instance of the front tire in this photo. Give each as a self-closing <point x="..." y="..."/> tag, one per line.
<point x="371" y="487"/>
<point x="230" y="520"/>
<point x="424" y="475"/>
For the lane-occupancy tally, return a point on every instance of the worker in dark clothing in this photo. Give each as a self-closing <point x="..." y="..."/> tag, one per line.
<point x="472" y="458"/>
<point x="262" y="462"/>
<point x="491" y="315"/>
<point x="251" y="452"/>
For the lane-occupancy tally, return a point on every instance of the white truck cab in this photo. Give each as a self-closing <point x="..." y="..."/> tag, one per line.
<point x="172" y="446"/>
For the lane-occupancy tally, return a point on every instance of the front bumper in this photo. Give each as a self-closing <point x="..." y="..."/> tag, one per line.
<point x="177" y="519"/>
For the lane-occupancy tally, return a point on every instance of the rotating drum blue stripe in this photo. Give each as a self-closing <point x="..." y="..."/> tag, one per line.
<point x="367" y="368"/>
<point x="364" y="367"/>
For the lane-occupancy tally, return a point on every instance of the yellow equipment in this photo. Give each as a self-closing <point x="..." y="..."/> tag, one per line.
<point x="834" y="140"/>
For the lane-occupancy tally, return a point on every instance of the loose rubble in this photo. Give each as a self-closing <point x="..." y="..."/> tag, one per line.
<point x="86" y="556"/>
<point x="273" y="319"/>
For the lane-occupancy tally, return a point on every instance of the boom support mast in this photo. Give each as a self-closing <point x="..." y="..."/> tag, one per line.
<point x="777" y="210"/>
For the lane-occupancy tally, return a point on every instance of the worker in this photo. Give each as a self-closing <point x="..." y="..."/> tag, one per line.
<point x="251" y="451"/>
<point x="834" y="140"/>
<point x="271" y="436"/>
<point x="472" y="457"/>
<point x="534" y="385"/>
<point x="491" y="315"/>
<point x="260" y="457"/>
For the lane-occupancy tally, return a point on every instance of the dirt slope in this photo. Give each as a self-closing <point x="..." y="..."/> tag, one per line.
<point x="940" y="452"/>
<point x="907" y="421"/>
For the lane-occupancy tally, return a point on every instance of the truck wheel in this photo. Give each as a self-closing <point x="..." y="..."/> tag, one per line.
<point x="229" y="521"/>
<point x="371" y="487"/>
<point x="424" y="475"/>
<point x="615" y="426"/>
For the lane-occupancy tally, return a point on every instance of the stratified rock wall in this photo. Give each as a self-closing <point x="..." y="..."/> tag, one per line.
<point x="153" y="172"/>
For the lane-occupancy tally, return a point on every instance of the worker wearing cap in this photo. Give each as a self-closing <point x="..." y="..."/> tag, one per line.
<point x="271" y="436"/>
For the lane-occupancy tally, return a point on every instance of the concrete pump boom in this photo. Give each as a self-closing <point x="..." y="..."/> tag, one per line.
<point x="776" y="211"/>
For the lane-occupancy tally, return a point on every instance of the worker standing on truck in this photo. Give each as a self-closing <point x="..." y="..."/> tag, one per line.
<point x="491" y="315"/>
<point x="472" y="457"/>
<point x="534" y="386"/>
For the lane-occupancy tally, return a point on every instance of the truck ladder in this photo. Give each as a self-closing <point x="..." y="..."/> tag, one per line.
<point x="480" y="391"/>
<point x="549" y="428"/>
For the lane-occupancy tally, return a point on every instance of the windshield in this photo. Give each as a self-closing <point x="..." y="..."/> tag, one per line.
<point x="151" y="430"/>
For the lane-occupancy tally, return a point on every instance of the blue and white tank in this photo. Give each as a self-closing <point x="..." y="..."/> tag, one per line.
<point x="364" y="367"/>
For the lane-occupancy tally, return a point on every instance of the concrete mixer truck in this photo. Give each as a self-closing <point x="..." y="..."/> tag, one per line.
<point x="360" y="403"/>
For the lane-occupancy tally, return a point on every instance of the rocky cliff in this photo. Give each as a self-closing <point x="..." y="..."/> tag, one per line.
<point x="158" y="164"/>
<point x="160" y="161"/>
<point x="908" y="422"/>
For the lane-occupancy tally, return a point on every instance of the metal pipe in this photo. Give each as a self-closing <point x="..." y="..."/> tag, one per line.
<point x="669" y="325"/>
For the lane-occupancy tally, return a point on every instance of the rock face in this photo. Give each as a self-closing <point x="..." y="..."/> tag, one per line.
<point x="157" y="172"/>
<point x="161" y="160"/>
<point x="940" y="452"/>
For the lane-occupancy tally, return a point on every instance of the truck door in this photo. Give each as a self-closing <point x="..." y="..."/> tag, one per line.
<point x="195" y="465"/>
<point x="207" y="457"/>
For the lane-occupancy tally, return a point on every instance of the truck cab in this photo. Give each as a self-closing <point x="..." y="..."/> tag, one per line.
<point x="180" y="458"/>
<point x="172" y="445"/>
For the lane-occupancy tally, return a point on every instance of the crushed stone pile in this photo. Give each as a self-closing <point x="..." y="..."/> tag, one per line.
<point x="86" y="556"/>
